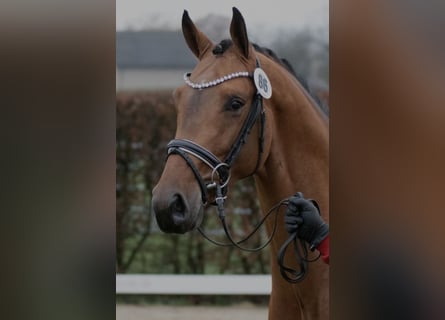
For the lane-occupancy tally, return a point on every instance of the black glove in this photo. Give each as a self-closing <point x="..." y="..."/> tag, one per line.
<point x="303" y="216"/>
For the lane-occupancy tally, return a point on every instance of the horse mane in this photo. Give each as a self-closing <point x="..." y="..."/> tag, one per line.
<point x="221" y="47"/>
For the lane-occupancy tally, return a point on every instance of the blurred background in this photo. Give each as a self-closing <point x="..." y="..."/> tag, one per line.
<point x="60" y="96"/>
<point x="151" y="57"/>
<point x="151" y="51"/>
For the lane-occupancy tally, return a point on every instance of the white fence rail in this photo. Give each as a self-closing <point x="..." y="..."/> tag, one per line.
<point x="193" y="284"/>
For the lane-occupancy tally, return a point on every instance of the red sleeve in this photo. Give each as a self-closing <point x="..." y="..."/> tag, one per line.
<point x="323" y="247"/>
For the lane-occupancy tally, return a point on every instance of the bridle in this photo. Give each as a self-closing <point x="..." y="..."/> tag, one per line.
<point x="220" y="176"/>
<point x="221" y="169"/>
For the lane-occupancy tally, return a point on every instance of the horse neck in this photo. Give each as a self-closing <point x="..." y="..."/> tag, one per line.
<point x="299" y="155"/>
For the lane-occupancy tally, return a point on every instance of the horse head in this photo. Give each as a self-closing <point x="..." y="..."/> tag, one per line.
<point x="217" y="107"/>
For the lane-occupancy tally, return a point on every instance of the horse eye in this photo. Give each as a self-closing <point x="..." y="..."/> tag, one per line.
<point x="235" y="104"/>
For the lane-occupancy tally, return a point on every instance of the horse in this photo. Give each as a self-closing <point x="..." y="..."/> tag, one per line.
<point x="243" y="104"/>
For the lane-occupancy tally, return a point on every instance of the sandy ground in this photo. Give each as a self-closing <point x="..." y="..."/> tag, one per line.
<point x="157" y="312"/>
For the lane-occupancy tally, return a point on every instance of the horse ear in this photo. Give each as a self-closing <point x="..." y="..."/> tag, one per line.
<point x="238" y="32"/>
<point x="196" y="40"/>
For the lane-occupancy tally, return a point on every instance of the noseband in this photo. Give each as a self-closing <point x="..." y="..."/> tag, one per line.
<point x="220" y="169"/>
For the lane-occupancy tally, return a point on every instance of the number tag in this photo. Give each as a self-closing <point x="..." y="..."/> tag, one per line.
<point x="262" y="83"/>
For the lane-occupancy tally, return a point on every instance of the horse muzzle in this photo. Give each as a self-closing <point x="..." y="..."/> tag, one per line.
<point x="176" y="211"/>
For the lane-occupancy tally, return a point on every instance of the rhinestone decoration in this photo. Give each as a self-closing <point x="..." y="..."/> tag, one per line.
<point x="212" y="83"/>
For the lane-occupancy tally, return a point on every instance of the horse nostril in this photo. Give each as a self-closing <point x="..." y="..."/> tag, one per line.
<point x="178" y="204"/>
<point x="177" y="210"/>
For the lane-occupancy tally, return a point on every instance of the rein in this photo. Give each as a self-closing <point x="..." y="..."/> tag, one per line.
<point x="185" y="147"/>
<point x="300" y="250"/>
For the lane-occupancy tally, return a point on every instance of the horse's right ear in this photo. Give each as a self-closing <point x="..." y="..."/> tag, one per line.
<point x="196" y="40"/>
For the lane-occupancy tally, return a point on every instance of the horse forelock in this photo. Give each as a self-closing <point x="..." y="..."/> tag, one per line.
<point x="221" y="47"/>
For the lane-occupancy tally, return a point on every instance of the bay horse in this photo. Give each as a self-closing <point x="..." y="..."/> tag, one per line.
<point x="262" y="123"/>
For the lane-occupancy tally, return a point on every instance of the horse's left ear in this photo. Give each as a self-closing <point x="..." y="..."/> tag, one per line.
<point x="238" y="32"/>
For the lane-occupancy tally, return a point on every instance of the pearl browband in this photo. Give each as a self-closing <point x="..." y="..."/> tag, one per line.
<point x="208" y="84"/>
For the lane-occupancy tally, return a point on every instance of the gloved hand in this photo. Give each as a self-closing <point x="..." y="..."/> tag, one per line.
<point x="303" y="216"/>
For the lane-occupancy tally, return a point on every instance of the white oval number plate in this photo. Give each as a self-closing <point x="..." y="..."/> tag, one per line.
<point x="262" y="83"/>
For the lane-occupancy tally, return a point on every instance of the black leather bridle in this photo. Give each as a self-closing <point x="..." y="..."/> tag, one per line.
<point x="184" y="148"/>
